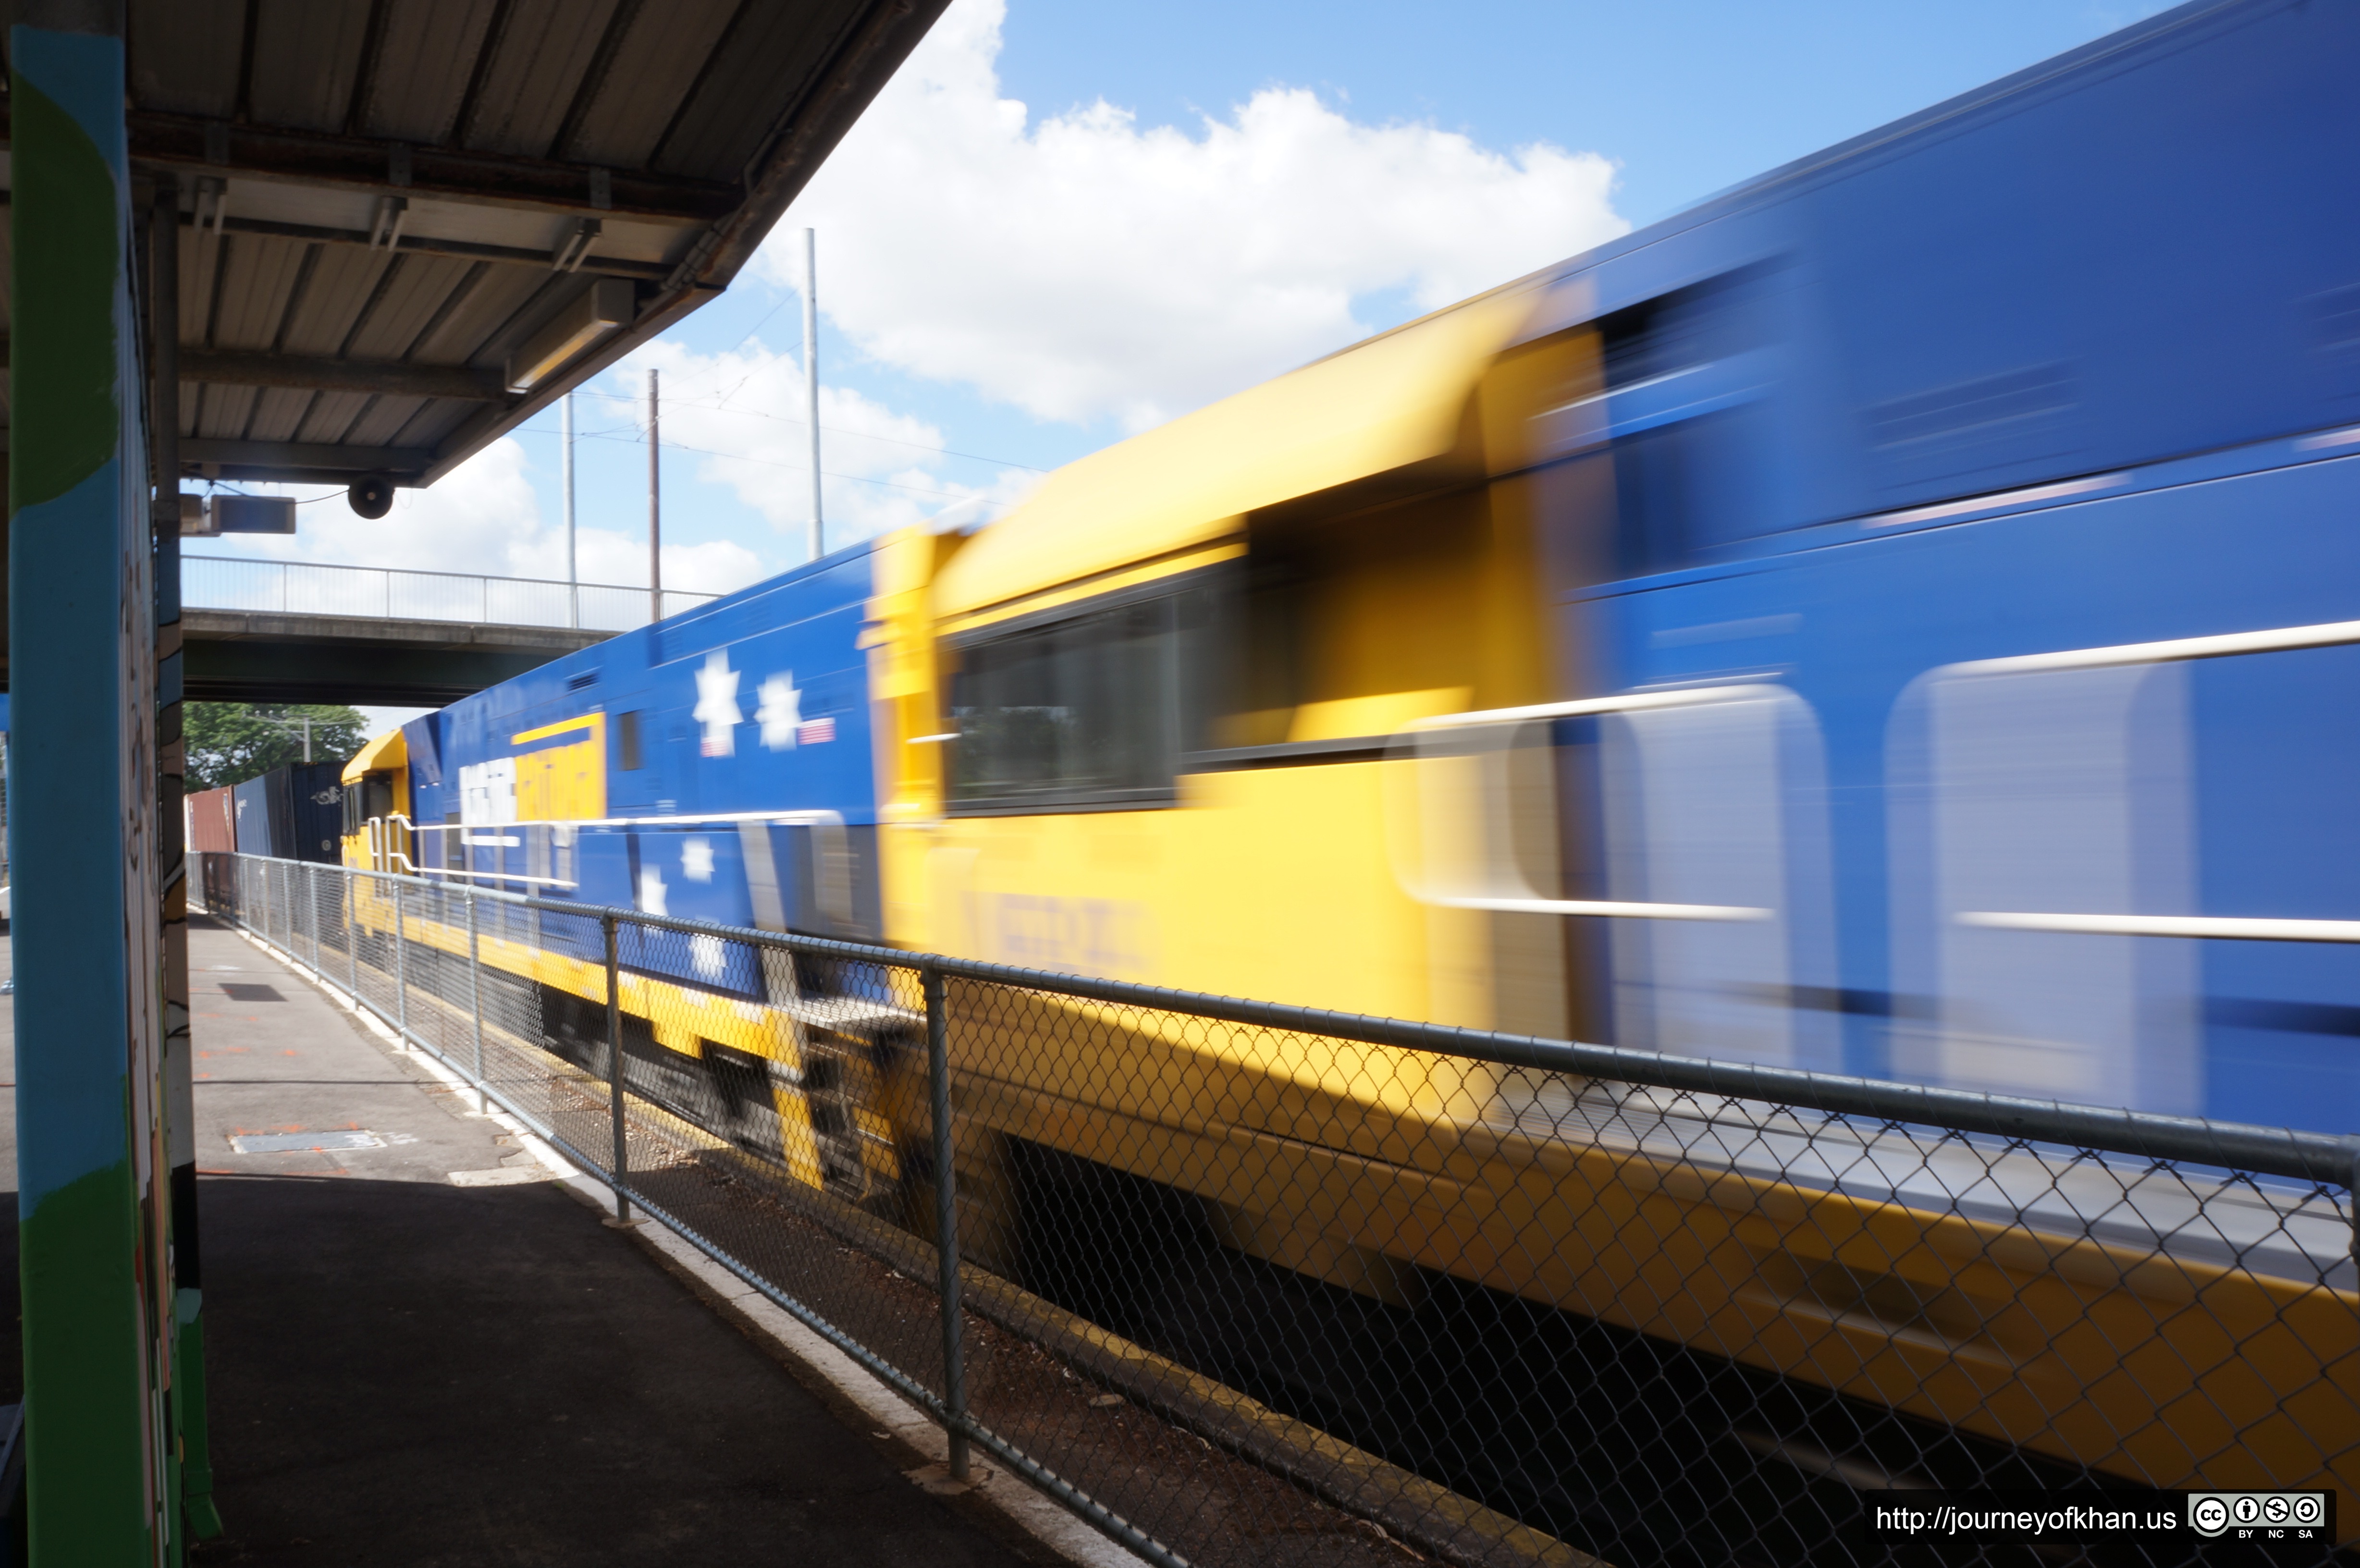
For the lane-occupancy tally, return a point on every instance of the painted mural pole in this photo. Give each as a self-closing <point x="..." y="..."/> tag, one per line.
<point x="95" y="1266"/>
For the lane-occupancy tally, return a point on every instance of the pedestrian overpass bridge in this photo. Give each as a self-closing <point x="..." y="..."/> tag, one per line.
<point x="288" y="631"/>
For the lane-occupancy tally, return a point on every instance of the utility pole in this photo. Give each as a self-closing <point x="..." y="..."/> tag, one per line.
<point x="811" y="379"/>
<point x="573" y="580"/>
<point x="303" y="720"/>
<point x="655" y="509"/>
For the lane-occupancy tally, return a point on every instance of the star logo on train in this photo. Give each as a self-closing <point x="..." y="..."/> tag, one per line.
<point x="782" y="712"/>
<point x="696" y="859"/>
<point x="717" y="705"/>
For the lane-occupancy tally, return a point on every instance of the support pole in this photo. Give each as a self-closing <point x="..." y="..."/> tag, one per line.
<point x="938" y="1083"/>
<point x="189" y="1415"/>
<point x="614" y="1080"/>
<point x="572" y="578"/>
<point x="100" y="1301"/>
<point x="353" y="930"/>
<point x="476" y="999"/>
<point x="655" y="504"/>
<point x="811" y="382"/>
<point x="401" y="972"/>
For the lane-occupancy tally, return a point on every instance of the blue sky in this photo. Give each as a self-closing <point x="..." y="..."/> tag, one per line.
<point x="1064" y="221"/>
<point x="1689" y="96"/>
<point x="1685" y="97"/>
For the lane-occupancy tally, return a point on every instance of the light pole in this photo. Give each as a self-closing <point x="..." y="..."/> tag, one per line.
<point x="811" y="379"/>
<point x="573" y="580"/>
<point x="655" y="509"/>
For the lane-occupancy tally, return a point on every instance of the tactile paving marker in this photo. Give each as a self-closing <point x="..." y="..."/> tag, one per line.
<point x="288" y="1142"/>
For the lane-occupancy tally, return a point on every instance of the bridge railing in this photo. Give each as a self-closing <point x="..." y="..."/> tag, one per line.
<point x="1225" y="1277"/>
<point x="306" y="588"/>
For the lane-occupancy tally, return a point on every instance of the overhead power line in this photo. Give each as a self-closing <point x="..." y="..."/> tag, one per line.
<point x="832" y="429"/>
<point x="795" y="467"/>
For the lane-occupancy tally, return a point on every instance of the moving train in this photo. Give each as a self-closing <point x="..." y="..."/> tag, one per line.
<point x="294" y="812"/>
<point x="1900" y="618"/>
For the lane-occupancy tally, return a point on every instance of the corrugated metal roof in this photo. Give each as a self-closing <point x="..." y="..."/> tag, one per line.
<point x="382" y="201"/>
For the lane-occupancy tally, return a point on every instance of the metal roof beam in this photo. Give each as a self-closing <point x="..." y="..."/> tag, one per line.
<point x="323" y="374"/>
<point x="487" y="425"/>
<point x="466" y="250"/>
<point x="449" y="174"/>
<point x="301" y="461"/>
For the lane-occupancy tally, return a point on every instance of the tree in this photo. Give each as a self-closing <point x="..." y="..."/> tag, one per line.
<point x="230" y="742"/>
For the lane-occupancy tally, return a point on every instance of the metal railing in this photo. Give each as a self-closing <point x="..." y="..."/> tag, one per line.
<point x="1235" y="1281"/>
<point x="294" y="587"/>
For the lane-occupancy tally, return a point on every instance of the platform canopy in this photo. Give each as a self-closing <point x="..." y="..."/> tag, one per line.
<point x="407" y="224"/>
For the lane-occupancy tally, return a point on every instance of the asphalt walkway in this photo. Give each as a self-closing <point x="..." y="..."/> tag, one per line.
<point x="423" y="1352"/>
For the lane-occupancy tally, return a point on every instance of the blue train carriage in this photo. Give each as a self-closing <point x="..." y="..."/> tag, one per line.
<point x="1998" y="470"/>
<point x="1953" y="580"/>
<point x="715" y="767"/>
<point x="291" y="813"/>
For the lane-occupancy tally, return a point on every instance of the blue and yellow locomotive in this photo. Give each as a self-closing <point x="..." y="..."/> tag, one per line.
<point x="1900" y="618"/>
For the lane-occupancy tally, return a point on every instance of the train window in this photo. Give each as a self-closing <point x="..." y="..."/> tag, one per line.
<point x="1090" y="711"/>
<point x="627" y="740"/>
<point x="372" y="796"/>
<point x="2026" y="793"/>
<point x="1685" y="376"/>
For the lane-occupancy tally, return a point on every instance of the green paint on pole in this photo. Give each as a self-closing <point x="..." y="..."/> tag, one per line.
<point x="84" y="1456"/>
<point x="70" y="273"/>
<point x="196" y="1444"/>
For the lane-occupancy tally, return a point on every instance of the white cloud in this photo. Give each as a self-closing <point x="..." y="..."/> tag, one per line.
<point x="1080" y="265"/>
<point x="736" y="417"/>
<point x="484" y="519"/>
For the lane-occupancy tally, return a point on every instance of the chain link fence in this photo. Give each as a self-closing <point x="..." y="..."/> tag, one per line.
<point x="1242" y="1283"/>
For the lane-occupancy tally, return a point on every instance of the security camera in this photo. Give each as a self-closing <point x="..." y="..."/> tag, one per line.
<point x="372" y="498"/>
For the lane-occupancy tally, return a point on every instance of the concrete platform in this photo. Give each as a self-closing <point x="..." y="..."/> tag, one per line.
<point x="423" y="1352"/>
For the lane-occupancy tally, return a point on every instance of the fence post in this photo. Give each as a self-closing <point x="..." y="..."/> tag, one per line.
<point x="622" y="1181"/>
<point x="938" y="1081"/>
<point x="352" y="928"/>
<point x="475" y="1001"/>
<point x="401" y="973"/>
